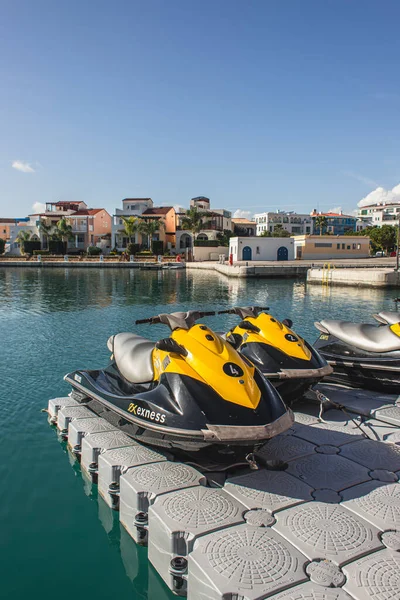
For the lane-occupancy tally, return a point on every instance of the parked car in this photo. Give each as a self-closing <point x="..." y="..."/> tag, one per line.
<point x="379" y="254"/>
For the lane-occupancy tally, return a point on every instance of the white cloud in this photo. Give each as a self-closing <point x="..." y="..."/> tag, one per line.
<point x="336" y="209"/>
<point x="22" y="166"/>
<point x="380" y="195"/>
<point x="242" y="214"/>
<point x="38" y="207"/>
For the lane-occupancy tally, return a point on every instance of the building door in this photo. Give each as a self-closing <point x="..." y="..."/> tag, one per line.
<point x="283" y="253"/>
<point x="246" y="253"/>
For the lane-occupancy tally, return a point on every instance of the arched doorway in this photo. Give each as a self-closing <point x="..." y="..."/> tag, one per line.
<point x="246" y="253"/>
<point x="283" y="253"/>
<point x="202" y="237"/>
<point x="185" y="241"/>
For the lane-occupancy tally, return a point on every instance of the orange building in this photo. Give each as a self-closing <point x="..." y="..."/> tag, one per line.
<point x="89" y="226"/>
<point x="167" y="215"/>
<point x="5" y="225"/>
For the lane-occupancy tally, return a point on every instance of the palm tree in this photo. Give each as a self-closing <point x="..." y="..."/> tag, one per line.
<point x="130" y="226"/>
<point x="22" y="237"/>
<point x="45" y="229"/>
<point x="64" y="230"/>
<point x="321" y="222"/>
<point x="193" y="220"/>
<point x="149" y="228"/>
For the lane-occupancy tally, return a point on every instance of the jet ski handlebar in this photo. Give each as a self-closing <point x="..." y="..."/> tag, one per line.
<point x="152" y="320"/>
<point x="177" y="320"/>
<point x="241" y="310"/>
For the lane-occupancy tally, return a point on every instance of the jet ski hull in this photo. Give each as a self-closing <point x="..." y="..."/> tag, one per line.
<point x="360" y="369"/>
<point x="290" y="376"/>
<point x="165" y="414"/>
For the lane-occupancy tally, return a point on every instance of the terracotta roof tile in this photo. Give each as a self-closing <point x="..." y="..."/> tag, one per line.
<point x="157" y="210"/>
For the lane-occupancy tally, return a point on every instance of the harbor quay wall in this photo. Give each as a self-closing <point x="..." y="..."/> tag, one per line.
<point x="243" y="271"/>
<point x="355" y="277"/>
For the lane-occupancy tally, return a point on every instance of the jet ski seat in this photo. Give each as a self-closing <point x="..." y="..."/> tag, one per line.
<point x="364" y="336"/>
<point x="133" y="356"/>
<point x="390" y="317"/>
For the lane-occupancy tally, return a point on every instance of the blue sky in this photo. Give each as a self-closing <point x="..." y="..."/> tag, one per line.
<point x="257" y="104"/>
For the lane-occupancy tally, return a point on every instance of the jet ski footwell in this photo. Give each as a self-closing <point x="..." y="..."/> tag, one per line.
<point x="324" y="522"/>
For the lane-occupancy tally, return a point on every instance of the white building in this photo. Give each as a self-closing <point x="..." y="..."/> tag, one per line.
<point x="261" y="248"/>
<point x="380" y="214"/>
<point x="294" y="223"/>
<point x="131" y="207"/>
<point x="30" y="227"/>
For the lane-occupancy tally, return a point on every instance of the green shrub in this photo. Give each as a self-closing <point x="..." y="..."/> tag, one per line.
<point x="208" y="243"/>
<point x="132" y="249"/>
<point x="94" y="251"/>
<point x="30" y="246"/>
<point x="57" y="247"/>
<point x="157" y="247"/>
<point x="2" y="245"/>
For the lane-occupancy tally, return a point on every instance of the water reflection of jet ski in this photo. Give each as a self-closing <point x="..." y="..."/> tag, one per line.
<point x="282" y="355"/>
<point x="190" y="390"/>
<point x="361" y="354"/>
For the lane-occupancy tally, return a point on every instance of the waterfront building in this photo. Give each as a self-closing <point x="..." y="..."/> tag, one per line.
<point x="362" y="224"/>
<point x="6" y="224"/>
<point x="167" y="233"/>
<point x="244" y="227"/>
<point x="90" y="226"/>
<point x="326" y="247"/>
<point x="214" y="223"/>
<point x="261" y="248"/>
<point x="131" y="207"/>
<point x="381" y="213"/>
<point x="200" y="202"/>
<point x="292" y="222"/>
<point x="336" y="223"/>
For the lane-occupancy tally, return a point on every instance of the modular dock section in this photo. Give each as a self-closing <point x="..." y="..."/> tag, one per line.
<point x="320" y="522"/>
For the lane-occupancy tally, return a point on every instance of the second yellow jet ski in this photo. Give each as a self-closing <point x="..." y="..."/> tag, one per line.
<point x="288" y="361"/>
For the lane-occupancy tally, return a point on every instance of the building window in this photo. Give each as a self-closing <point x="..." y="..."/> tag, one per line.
<point x="354" y="246"/>
<point x="337" y="246"/>
<point x="343" y="246"/>
<point x="348" y="248"/>
<point x="358" y="246"/>
<point x="258" y="250"/>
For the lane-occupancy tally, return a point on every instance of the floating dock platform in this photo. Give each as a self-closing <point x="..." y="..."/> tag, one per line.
<point x="323" y="524"/>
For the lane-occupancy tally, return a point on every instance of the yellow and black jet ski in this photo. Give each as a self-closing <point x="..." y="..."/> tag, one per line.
<point x="189" y="391"/>
<point x="283" y="357"/>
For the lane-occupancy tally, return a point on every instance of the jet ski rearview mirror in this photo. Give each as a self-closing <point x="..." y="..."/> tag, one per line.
<point x="249" y="326"/>
<point x="170" y="345"/>
<point x="287" y="322"/>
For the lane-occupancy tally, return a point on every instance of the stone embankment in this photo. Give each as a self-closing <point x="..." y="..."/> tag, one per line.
<point x="355" y="277"/>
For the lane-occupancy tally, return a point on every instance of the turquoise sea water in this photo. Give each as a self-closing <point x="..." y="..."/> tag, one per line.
<point x="57" y="539"/>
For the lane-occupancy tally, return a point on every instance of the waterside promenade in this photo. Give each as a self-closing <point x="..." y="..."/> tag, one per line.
<point x="375" y="272"/>
<point x="369" y="272"/>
